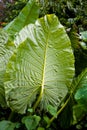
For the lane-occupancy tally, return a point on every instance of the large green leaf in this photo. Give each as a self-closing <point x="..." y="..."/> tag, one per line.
<point x="6" y="49"/>
<point x="42" y="67"/>
<point x="29" y="14"/>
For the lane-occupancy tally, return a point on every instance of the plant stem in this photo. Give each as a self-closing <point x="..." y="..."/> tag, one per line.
<point x="11" y="116"/>
<point x="59" y="111"/>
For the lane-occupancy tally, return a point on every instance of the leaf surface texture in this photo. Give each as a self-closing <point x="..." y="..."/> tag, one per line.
<point x="41" y="69"/>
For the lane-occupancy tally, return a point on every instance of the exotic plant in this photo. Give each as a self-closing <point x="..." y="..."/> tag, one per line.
<point x="38" y="77"/>
<point x="37" y="71"/>
<point x="43" y="74"/>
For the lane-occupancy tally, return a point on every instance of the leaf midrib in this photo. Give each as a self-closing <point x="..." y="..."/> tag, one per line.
<point x="43" y="75"/>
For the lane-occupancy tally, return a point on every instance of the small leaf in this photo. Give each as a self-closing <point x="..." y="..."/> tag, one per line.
<point x="30" y="110"/>
<point x="52" y="110"/>
<point x="37" y="119"/>
<point x="46" y="119"/>
<point x="7" y="125"/>
<point x="81" y="95"/>
<point x="31" y="122"/>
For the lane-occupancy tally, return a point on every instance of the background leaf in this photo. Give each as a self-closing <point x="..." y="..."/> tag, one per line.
<point x="6" y="49"/>
<point x="81" y="95"/>
<point x="7" y="125"/>
<point x="79" y="91"/>
<point x="29" y="14"/>
<point x="79" y="82"/>
<point x="79" y="111"/>
<point x="41" y="69"/>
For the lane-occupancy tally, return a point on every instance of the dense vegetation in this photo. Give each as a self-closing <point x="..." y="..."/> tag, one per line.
<point x="43" y="64"/>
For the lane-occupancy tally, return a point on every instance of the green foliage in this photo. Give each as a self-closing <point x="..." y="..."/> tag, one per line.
<point x="33" y="73"/>
<point x="84" y="36"/>
<point x="40" y="128"/>
<point x="6" y="50"/>
<point x="81" y="95"/>
<point x="28" y="15"/>
<point x="52" y="110"/>
<point x="78" y="42"/>
<point x="69" y="12"/>
<point x="10" y="9"/>
<point x="66" y="116"/>
<point x="79" y="86"/>
<point x="31" y="122"/>
<point x="8" y="125"/>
